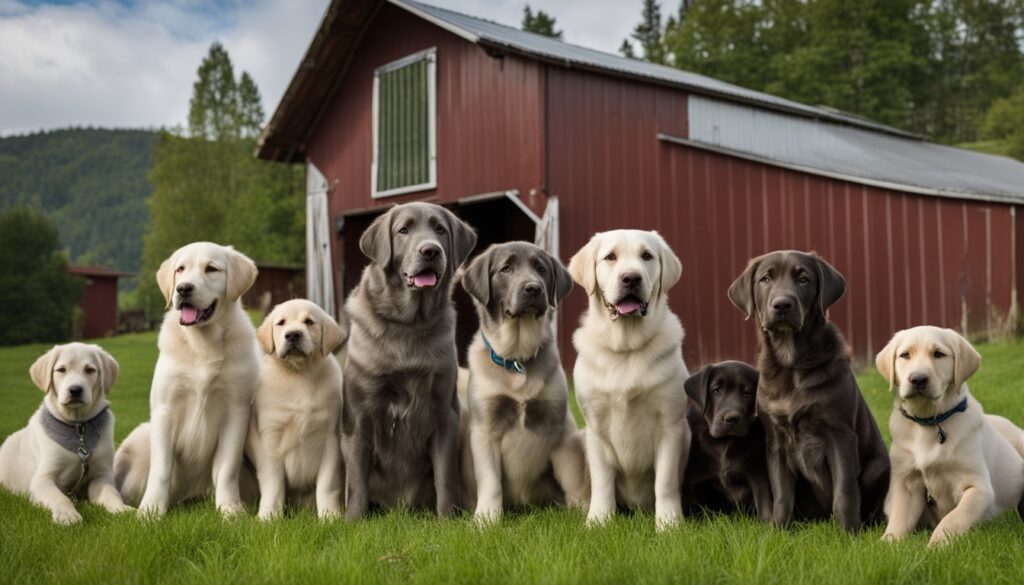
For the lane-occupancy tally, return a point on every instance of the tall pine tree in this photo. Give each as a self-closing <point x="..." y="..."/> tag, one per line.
<point x="540" y="22"/>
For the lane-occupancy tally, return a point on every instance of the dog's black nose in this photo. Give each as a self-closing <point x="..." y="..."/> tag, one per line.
<point x="185" y="289"/>
<point x="292" y="336"/>
<point x="430" y="251"/>
<point x="919" y="381"/>
<point x="631" y="278"/>
<point x="75" y="391"/>
<point x="731" y="418"/>
<point x="532" y="288"/>
<point x="782" y="304"/>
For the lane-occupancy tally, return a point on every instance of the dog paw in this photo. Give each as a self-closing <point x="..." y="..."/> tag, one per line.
<point x="67" y="517"/>
<point x="231" y="510"/>
<point x="663" y="522"/>
<point x="485" y="517"/>
<point x="598" y="519"/>
<point x="150" y="511"/>
<point x="120" y="508"/>
<point x="329" y="515"/>
<point x="938" y="540"/>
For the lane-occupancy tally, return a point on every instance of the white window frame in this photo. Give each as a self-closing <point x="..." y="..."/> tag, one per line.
<point x="431" y="56"/>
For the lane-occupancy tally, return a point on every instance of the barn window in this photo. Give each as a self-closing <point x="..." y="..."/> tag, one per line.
<point x="404" y="133"/>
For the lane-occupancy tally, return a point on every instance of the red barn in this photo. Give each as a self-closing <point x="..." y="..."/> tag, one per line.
<point x="531" y="138"/>
<point x="99" y="299"/>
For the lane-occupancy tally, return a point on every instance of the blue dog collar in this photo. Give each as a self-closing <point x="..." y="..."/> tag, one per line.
<point x="509" y="364"/>
<point x="937" y="420"/>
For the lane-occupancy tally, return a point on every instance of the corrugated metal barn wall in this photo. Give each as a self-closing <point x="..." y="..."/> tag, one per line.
<point x="909" y="259"/>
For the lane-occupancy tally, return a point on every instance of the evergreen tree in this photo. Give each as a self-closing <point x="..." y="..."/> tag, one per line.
<point x="626" y="49"/>
<point x="649" y="32"/>
<point x="541" y="23"/>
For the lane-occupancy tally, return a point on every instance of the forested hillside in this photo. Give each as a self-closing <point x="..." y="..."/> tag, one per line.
<point x="92" y="182"/>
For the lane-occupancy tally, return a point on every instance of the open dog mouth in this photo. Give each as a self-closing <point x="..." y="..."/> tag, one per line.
<point x="424" y="279"/>
<point x="629" y="305"/>
<point x="193" y="316"/>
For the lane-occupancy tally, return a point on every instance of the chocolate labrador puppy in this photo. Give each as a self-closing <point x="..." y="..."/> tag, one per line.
<point x="818" y="426"/>
<point x="726" y="469"/>
<point x="400" y="410"/>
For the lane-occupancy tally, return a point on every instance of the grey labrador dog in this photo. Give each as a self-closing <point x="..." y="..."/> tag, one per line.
<point x="521" y="445"/>
<point x="400" y="410"/>
<point x="818" y="424"/>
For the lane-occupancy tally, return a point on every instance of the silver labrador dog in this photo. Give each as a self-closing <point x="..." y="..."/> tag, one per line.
<point x="400" y="410"/>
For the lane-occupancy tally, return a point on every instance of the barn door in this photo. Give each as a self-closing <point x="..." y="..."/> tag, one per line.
<point x="319" y="280"/>
<point x="547" y="229"/>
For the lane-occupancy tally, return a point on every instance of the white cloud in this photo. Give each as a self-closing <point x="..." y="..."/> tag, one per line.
<point x="108" y="63"/>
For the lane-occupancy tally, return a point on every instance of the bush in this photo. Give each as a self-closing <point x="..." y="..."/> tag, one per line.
<point x="37" y="293"/>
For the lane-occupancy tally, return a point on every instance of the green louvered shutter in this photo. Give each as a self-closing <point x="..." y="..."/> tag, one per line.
<point x="404" y="94"/>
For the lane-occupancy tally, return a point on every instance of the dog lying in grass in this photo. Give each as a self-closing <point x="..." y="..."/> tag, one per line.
<point x="68" y="446"/>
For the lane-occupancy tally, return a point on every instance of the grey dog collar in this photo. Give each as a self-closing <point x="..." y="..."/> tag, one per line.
<point x="75" y="437"/>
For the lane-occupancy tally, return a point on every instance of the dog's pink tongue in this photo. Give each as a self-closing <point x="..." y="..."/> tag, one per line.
<point x="189" y="315"/>
<point x="425" y="279"/>
<point x="627" y="306"/>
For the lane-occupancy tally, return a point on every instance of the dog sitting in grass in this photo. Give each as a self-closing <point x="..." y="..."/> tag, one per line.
<point x="68" y="446"/>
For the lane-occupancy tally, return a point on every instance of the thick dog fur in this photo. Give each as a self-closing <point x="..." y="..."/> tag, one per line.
<point x="400" y="412"/>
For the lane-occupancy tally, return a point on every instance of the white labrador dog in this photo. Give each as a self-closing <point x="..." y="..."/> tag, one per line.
<point x="68" y="445"/>
<point x="203" y="386"/>
<point x="953" y="466"/>
<point x="629" y="374"/>
<point x="294" y="438"/>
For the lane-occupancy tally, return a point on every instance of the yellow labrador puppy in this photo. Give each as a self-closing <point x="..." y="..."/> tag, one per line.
<point x="294" y="440"/>
<point x="629" y="374"/>
<point x="68" y="445"/>
<point x="203" y="386"/>
<point x="953" y="466"/>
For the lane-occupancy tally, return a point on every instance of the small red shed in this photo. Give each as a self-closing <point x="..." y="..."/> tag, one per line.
<point x="275" y="284"/>
<point x="99" y="299"/>
<point x="528" y="137"/>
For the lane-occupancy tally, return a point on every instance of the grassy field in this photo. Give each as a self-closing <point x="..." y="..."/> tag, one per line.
<point x="195" y="545"/>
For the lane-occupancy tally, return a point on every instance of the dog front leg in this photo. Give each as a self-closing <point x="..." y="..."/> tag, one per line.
<point x="569" y="463"/>
<point x="844" y="467"/>
<point x="903" y="506"/>
<point x="103" y="492"/>
<point x="328" y="480"/>
<point x="355" y="449"/>
<point x="673" y="446"/>
<point x="487" y="468"/>
<point x="43" y="491"/>
<point x="970" y="510"/>
<point x="445" y="459"/>
<point x="227" y="460"/>
<point x="157" y="497"/>
<point x="783" y="483"/>
<point x="761" y="489"/>
<point x="602" y="480"/>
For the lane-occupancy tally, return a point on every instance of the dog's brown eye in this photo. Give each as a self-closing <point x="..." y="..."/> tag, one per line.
<point x="646" y="256"/>
<point x="716" y="391"/>
<point x="280" y="323"/>
<point x="765" y="279"/>
<point x="440" y="230"/>
<point x="610" y="257"/>
<point x="938" y="354"/>
<point x="403" y="230"/>
<point x="61" y="369"/>
<point x="308" y="321"/>
<point x="541" y="269"/>
<point x="803" y="279"/>
<point x="212" y="268"/>
<point x="180" y="269"/>
<point x="506" y="269"/>
<point x="905" y="355"/>
<point x="90" y="370"/>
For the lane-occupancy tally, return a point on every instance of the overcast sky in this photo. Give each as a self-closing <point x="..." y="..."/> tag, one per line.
<point x="131" y="63"/>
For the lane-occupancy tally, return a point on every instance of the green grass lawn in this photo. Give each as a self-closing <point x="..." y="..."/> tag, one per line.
<point x="194" y="545"/>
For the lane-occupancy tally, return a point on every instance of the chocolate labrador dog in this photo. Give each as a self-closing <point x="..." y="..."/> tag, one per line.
<point x="818" y="426"/>
<point x="400" y="409"/>
<point x="726" y="469"/>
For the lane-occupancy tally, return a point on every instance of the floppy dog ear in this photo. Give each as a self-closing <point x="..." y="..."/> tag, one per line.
<point x="375" y="243"/>
<point x="696" y="386"/>
<point x="165" y="280"/>
<point x="671" y="267"/>
<point x="41" y="371"/>
<point x="741" y="291"/>
<point x="832" y="286"/>
<point x="885" y="361"/>
<point x="966" y="359"/>
<point x="265" y="334"/>
<point x="583" y="266"/>
<point x="559" y="281"/>
<point x="463" y="239"/>
<point x="476" y="278"/>
<point x="109" y="369"/>
<point x="332" y="336"/>
<point x="241" y="274"/>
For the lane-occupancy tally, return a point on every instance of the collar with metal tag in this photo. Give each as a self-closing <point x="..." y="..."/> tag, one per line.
<point x="512" y="365"/>
<point x="935" y="421"/>
<point x="79" y="438"/>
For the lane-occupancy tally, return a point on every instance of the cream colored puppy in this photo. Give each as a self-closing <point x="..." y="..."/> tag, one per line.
<point x="953" y="466"/>
<point x="629" y="374"/>
<point x="203" y="386"/>
<point x="294" y="438"/>
<point x="68" y="445"/>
